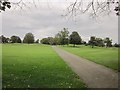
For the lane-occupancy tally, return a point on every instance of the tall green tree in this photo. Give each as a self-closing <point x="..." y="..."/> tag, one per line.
<point x="63" y="36"/>
<point x="29" y="38"/>
<point x="75" y="38"/>
<point x="56" y="40"/>
<point x="51" y="40"/>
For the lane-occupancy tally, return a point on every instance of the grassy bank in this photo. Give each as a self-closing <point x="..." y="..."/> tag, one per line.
<point x="101" y="55"/>
<point x="36" y="66"/>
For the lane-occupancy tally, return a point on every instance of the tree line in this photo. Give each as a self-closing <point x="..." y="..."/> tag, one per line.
<point x="29" y="38"/>
<point x="61" y="38"/>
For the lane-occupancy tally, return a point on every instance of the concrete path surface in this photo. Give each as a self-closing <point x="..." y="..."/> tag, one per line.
<point x="94" y="75"/>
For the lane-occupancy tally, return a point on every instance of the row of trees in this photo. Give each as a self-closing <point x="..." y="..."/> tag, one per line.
<point x="100" y="42"/>
<point x="61" y="38"/>
<point x="29" y="38"/>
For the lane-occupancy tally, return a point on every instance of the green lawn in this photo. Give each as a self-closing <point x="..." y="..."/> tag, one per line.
<point x="101" y="55"/>
<point x="36" y="66"/>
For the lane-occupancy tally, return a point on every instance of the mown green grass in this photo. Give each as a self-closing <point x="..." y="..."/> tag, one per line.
<point x="36" y="66"/>
<point x="101" y="55"/>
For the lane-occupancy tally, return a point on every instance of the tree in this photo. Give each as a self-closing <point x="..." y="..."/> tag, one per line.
<point x="8" y="40"/>
<point x="4" y="4"/>
<point x="100" y="42"/>
<point x="15" y="39"/>
<point x="92" y="41"/>
<point x="75" y="38"/>
<point x="45" y="41"/>
<point x="51" y="40"/>
<point x="116" y="45"/>
<point x="29" y="38"/>
<point x="48" y="40"/>
<point x="56" y="40"/>
<point x="108" y="42"/>
<point x="94" y="7"/>
<point x="63" y="36"/>
<point x="3" y="39"/>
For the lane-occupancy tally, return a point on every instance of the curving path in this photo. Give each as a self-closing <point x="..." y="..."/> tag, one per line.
<point x="94" y="75"/>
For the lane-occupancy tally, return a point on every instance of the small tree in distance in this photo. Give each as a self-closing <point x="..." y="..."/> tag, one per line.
<point x="3" y="39"/>
<point x="15" y="39"/>
<point x="92" y="41"/>
<point x="45" y="41"/>
<point x="75" y="38"/>
<point x="108" y="42"/>
<point x="29" y="38"/>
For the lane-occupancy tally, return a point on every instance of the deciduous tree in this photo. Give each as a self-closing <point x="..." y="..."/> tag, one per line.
<point x="15" y="39"/>
<point x="100" y="42"/>
<point x="75" y="38"/>
<point x="92" y="41"/>
<point x="29" y="38"/>
<point x="3" y="39"/>
<point x="108" y="42"/>
<point x="45" y="41"/>
<point x="63" y="36"/>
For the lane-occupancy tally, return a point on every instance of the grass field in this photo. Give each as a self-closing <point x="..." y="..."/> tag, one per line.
<point x="36" y="66"/>
<point x="101" y="55"/>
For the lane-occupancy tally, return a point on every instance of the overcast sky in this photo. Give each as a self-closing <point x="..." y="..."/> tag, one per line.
<point x="46" y="20"/>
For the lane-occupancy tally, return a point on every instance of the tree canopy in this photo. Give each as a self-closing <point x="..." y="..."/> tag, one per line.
<point x="29" y="38"/>
<point x="63" y="36"/>
<point x="108" y="42"/>
<point x="49" y="40"/>
<point x="15" y="39"/>
<point x="75" y="38"/>
<point x="3" y="39"/>
<point x="92" y="41"/>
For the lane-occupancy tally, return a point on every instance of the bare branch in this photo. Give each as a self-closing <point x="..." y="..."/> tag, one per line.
<point x="95" y="7"/>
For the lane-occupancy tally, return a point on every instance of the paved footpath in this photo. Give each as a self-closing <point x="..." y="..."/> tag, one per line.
<point x="94" y="75"/>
